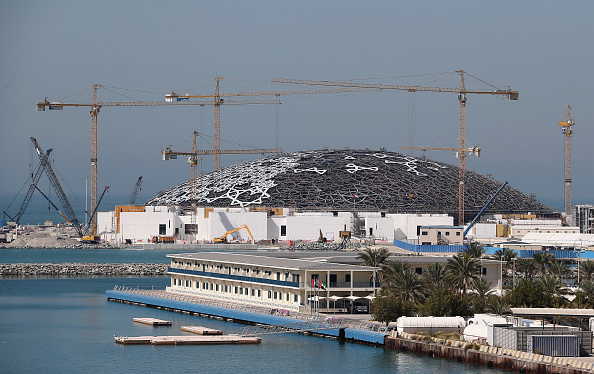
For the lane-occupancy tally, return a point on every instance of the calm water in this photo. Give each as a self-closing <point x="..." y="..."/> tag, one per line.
<point x="67" y="325"/>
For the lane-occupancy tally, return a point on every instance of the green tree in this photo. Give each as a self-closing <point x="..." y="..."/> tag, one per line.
<point x="463" y="272"/>
<point x="527" y="267"/>
<point x="543" y="260"/>
<point x="559" y="269"/>
<point x="480" y="297"/>
<point x="375" y="257"/>
<point x="497" y="305"/>
<point x="505" y="254"/>
<point x="386" y="308"/>
<point x="434" y="276"/>
<point x="445" y="303"/>
<point x="587" y="270"/>
<point x="528" y="293"/>
<point x="474" y="249"/>
<point x="392" y="270"/>
<point x="408" y="286"/>
<point x="551" y="285"/>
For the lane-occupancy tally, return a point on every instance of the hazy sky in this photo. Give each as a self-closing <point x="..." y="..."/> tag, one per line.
<point x="54" y="49"/>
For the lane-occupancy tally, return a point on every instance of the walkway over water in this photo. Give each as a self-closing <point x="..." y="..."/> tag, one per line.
<point x="255" y="314"/>
<point x="290" y="327"/>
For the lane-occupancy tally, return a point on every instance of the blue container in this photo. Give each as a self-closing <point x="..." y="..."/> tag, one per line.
<point x="2" y="223"/>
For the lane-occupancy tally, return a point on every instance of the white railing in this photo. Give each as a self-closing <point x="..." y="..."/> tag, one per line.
<point x="227" y="303"/>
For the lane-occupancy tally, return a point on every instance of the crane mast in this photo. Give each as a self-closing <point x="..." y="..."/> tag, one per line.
<point x="169" y="154"/>
<point x="135" y="191"/>
<point x="567" y="129"/>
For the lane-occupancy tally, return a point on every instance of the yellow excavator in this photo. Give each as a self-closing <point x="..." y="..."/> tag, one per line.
<point x="223" y="239"/>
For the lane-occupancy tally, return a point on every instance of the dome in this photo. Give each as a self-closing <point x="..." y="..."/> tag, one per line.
<point x="345" y="180"/>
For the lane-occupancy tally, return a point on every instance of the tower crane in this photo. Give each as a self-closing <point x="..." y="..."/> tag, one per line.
<point x="96" y="105"/>
<point x="168" y="154"/>
<point x="567" y="129"/>
<point x="462" y="91"/>
<point x="219" y="98"/>
<point x="473" y="150"/>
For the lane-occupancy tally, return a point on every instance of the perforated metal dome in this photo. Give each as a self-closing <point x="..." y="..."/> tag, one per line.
<point x="345" y="179"/>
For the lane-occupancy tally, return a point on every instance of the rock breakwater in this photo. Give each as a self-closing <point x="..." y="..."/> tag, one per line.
<point x="78" y="269"/>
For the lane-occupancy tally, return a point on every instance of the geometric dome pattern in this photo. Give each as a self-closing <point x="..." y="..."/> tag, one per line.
<point x="345" y="180"/>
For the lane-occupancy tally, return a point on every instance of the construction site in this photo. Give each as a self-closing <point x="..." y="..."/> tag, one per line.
<point x="323" y="196"/>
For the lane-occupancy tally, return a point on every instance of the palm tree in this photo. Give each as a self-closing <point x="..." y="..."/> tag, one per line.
<point x="497" y="305"/>
<point x="543" y="259"/>
<point x="527" y="267"/>
<point x="474" y="249"/>
<point x="408" y="287"/>
<point x="391" y="270"/>
<point x="559" y="269"/>
<point x="551" y="285"/>
<point x="505" y="254"/>
<point x="587" y="270"/>
<point x="463" y="272"/>
<point x="435" y="276"/>
<point x="374" y="257"/>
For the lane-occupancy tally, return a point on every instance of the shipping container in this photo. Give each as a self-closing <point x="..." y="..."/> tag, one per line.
<point x="554" y="345"/>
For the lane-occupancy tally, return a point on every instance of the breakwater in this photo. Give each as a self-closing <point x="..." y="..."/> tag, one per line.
<point x="488" y="356"/>
<point x="78" y="269"/>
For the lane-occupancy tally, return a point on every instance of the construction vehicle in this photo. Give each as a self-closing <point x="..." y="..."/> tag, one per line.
<point x="89" y="237"/>
<point x="223" y="239"/>
<point x="163" y="239"/>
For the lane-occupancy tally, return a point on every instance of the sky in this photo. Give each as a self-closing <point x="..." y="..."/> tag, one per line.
<point x="141" y="50"/>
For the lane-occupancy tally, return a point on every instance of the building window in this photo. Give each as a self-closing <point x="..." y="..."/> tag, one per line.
<point x="296" y="278"/>
<point x="457" y="233"/>
<point x="419" y="271"/>
<point x="287" y="296"/>
<point x="190" y="228"/>
<point x="283" y="230"/>
<point x="236" y="290"/>
<point x="259" y="295"/>
<point x="425" y="233"/>
<point x="253" y="292"/>
<point x="162" y="229"/>
<point x="217" y="288"/>
<point x="278" y="275"/>
<point x="270" y="294"/>
<point x="484" y="271"/>
<point x="245" y="291"/>
<point x="447" y="233"/>
<point x="295" y="298"/>
<point x="347" y="278"/>
<point x="275" y="295"/>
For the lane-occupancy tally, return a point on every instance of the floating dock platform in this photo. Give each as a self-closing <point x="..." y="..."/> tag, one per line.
<point x="152" y="321"/>
<point x="199" y="330"/>
<point x="187" y="340"/>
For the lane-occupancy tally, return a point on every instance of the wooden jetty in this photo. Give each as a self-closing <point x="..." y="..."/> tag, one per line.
<point x="153" y="321"/>
<point x="187" y="340"/>
<point x="201" y="330"/>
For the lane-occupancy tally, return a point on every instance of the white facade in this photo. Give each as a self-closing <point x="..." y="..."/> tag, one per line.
<point x="276" y="282"/>
<point x="142" y="225"/>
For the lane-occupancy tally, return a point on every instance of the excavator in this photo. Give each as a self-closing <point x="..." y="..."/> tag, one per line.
<point x="223" y="239"/>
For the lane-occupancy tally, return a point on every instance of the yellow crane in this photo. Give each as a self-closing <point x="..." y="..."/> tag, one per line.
<point x="168" y="154"/>
<point x="567" y="129"/>
<point x="462" y="91"/>
<point x="95" y="106"/>
<point x="220" y="98"/>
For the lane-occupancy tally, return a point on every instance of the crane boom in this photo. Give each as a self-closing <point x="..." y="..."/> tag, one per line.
<point x="69" y="212"/>
<point x="34" y="180"/>
<point x="135" y="191"/>
<point x="461" y="91"/>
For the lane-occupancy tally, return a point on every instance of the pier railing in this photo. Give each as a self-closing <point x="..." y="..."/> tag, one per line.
<point x="251" y="308"/>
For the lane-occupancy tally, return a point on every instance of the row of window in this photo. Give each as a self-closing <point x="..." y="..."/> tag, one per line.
<point x="225" y="288"/>
<point x="285" y="276"/>
<point x="447" y="233"/>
